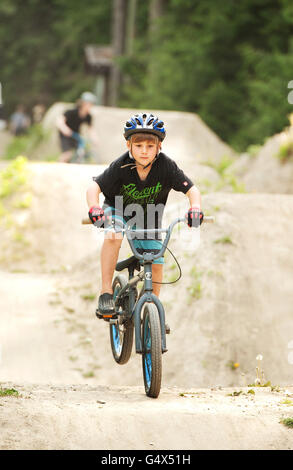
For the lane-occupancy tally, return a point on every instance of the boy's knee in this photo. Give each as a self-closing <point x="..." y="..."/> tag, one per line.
<point x="112" y="240"/>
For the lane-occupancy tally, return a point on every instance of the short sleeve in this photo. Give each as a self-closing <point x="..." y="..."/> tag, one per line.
<point x="108" y="180"/>
<point x="88" y="119"/>
<point x="67" y="114"/>
<point x="179" y="181"/>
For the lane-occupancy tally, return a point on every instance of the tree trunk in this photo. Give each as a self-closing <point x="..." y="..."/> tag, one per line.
<point x="130" y="26"/>
<point x="118" y="43"/>
<point x="156" y="10"/>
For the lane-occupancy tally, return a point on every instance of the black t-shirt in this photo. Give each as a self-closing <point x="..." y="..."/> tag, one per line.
<point x="124" y="181"/>
<point x="73" y="120"/>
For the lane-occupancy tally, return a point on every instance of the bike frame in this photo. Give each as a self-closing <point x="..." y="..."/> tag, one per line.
<point x="146" y="294"/>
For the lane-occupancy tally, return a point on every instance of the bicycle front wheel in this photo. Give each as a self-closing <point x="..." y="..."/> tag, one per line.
<point x="121" y="333"/>
<point x="151" y="351"/>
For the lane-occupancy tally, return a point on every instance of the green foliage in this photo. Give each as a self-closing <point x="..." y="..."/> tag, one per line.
<point x="8" y="392"/>
<point x="285" y="152"/>
<point x="42" y="48"/>
<point x="222" y="165"/>
<point x="287" y="422"/>
<point x="226" y="240"/>
<point x="229" y="62"/>
<point x="195" y="288"/>
<point x="25" y="144"/>
<point x="235" y="394"/>
<point x="13" y="177"/>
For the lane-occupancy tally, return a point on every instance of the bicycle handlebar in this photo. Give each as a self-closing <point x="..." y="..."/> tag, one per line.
<point x="168" y="231"/>
<point x="206" y="220"/>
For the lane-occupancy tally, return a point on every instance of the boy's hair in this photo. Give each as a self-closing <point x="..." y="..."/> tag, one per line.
<point x="142" y="136"/>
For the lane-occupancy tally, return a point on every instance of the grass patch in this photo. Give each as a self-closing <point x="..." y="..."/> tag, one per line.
<point x="23" y="203"/>
<point x="73" y="358"/>
<point x="233" y="365"/>
<point x="25" y="144"/>
<point x="89" y="297"/>
<point x="287" y="422"/>
<point x="88" y="375"/>
<point x="14" y="177"/>
<point x="8" y="392"/>
<point x="69" y="309"/>
<point x="253" y="150"/>
<point x="222" y="165"/>
<point x="266" y="384"/>
<point x="285" y="152"/>
<point x="226" y="240"/>
<point x="286" y="402"/>
<point x="195" y="289"/>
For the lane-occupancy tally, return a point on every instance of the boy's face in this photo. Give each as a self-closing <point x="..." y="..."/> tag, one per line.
<point x="85" y="107"/>
<point x="144" y="151"/>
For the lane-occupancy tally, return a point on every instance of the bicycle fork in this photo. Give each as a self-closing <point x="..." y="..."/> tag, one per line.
<point x="148" y="296"/>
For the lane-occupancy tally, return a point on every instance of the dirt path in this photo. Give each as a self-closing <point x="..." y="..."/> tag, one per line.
<point x="87" y="417"/>
<point x="235" y="300"/>
<point x="34" y="347"/>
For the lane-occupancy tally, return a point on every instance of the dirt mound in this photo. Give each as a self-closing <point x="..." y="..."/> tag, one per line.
<point x="188" y="140"/>
<point x="267" y="171"/>
<point x="5" y="138"/>
<point x="232" y="303"/>
<point x="51" y="237"/>
<point x="84" y="417"/>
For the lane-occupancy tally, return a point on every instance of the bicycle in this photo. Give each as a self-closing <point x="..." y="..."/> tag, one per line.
<point x="82" y="153"/>
<point x="149" y="329"/>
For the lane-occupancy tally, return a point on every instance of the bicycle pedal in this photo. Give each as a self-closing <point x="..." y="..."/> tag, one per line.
<point x="106" y="316"/>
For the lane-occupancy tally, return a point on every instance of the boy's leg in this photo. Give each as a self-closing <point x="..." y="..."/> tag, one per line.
<point x="109" y="257"/>
<point x="65" y="157"/>
<point x="157" y="270"/>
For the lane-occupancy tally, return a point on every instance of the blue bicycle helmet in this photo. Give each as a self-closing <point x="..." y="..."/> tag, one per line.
<point x="144" y="122"/>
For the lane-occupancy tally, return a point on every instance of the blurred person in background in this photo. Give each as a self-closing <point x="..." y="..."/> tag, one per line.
<point x="69" y="125"/>
<point x="2" y="118"/>
<point x="19" y="121"/>
<point x="38" y="113"/>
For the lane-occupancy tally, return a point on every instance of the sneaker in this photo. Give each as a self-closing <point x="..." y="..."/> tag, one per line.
<point x="106" y="305"/>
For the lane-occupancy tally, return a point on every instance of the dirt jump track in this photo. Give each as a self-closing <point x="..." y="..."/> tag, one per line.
<point x="56" y="354"/>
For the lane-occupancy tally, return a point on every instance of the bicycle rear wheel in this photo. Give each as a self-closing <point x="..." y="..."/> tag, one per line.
<point x="151" y="351"/>
<point x="121" y="333"/>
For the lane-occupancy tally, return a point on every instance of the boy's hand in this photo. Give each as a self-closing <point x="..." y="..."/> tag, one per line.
<point x="194" y="217"/>
<point x="96" y="213"/>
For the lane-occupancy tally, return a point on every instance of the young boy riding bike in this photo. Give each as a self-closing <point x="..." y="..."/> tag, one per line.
<point x="142" y="178"/>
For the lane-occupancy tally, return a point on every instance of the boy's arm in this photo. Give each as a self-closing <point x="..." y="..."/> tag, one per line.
<point x="194" y="197"/>
<point x="62" y="126"/>
<point x="96" y="213"/>
<point x="93" y="195"/>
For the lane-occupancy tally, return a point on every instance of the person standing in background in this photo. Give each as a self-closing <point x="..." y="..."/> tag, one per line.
<point x="19" y="121"/>
<point x="69" y="125"/>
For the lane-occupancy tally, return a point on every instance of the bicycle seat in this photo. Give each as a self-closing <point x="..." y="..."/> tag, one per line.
<point x="131" y="262"/>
